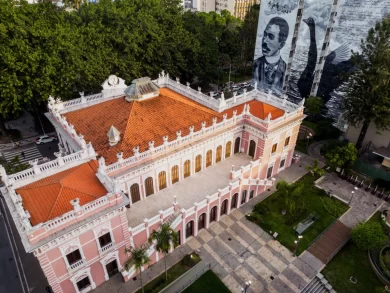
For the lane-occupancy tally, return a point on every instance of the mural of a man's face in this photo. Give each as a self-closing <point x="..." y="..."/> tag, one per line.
<point x="271" y="44"/>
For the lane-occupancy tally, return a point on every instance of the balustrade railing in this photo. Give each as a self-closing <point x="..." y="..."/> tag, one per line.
<point x="76" y="265"/>
<point x="107" y="247"/>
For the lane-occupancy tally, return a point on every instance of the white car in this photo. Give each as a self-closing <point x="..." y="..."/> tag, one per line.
<point x="45" y="139"/>
<point x="212" y="94"/>
<point x="236" y="87"/>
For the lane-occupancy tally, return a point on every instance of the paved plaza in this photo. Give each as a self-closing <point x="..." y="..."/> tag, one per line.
<point x="363" y="204"/>
<point x="187" y="191"/>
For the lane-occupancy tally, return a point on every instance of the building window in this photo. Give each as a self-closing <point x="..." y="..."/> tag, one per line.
<point x="287" y="141"/>
<point x="201" y="221"/>
<point x="149" y="189"/>
<point x="282" y="162"/>
<point x="105" y="239"/>
<point x="269" y="171"/>
<point x="162" y="180"/>
<point x="228" y="149"/>
<point x="187" y="168"/>
<point x="134" y="191"/>
<point x="73" y="257"/>
<point x="274" y="147"/>
<point x="237" y="145"/>
<point x="251" y="194"/>
<point x="224" y="207"/>
<point x="209" y="158"/>
<point x="219" y="154"/>
<point x="83" y="283"/>
<point x="213" y="214"/>
<point x="175" y="174"/>
<point x="243" y="197"/>
<point x="198" y="163"/>
<point x="233" y="203"/>
<point x="189" y="229"/>
<point x="252" y="148"/>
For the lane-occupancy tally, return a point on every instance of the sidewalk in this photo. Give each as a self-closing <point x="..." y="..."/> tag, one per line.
<point x="22" y="142"/>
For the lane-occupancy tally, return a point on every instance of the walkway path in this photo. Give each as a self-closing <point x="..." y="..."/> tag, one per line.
<point x="239" y="250"/>
<point x="314" y="150"/>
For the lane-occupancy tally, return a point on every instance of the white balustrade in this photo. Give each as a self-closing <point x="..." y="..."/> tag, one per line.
<point x="176" y="222"/>
<point x="76" y="265"/>
<point x="154" y="220"/>
<point x="169" y="212"/>
<point x="107" y="247"/>
<point x="95" y="204"/>
<point x="138" y="229"/>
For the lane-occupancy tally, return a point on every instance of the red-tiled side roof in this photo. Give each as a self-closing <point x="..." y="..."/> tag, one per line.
<point x="50" y="197"/>
<point x="142" y="121"/>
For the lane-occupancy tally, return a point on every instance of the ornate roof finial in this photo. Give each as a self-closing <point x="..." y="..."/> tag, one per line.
<point x="113" y="136"/>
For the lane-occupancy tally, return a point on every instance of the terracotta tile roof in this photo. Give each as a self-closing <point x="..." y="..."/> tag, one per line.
<point x="50" y="197"/>
<point x="142" y="121"/>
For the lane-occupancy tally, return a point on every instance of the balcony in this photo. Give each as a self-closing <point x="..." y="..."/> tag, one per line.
<point x="75" y="266"/>
<point x="106" y="248"/>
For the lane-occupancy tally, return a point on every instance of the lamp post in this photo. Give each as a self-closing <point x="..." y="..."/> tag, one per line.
<point x="247" y="285"/>
<point x="296" y="244"/>
<point x="308" y="139"/>
<point x="352" y="194"/>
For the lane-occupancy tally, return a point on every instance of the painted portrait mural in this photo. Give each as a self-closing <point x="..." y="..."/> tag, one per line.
<point x="311" y="35"/>
<point x="273" y="42"/>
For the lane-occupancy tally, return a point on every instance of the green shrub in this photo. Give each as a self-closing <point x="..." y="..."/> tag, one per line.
<point x="333" y="207"/>
<point x="261" y="209"/>
<point x="369" y="235"/>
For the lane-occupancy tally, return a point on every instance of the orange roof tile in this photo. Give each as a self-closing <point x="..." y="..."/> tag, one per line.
<point x="142" y="121"/>
<point x="50" y="197"/>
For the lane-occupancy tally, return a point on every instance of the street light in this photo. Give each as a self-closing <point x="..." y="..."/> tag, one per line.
<point x="308" y="139"/>
<point x="352" y="194"/>
<point x="296" y="244"/>
<point x="247" y="285"/>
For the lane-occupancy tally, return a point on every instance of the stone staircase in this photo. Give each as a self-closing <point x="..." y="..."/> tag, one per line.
<point x="318" y="285"/>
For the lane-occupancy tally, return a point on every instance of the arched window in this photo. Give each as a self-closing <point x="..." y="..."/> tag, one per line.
<point x="198" y="163"/>
<point x="175" y="174"/>
<point x="209" y="158"/>
<point x="202" y="221"/>
<point x="233" y="204"/>
<point x="213" y="214"/>
<point x="237" y="145"/>
<point x="224" y="207"/>
<point x="218" y="156"/>
<point x="243" y="197"/>
<point x="187" y="168"/>
<point x="252" y="148"/>
<point x="251" y="194"/>
<point x="149" y="189"/>
<point x="162" y="180"/>
<point x="190" y="229"/>
<point x="134" y="191"/>
<point x="228" y="149"/>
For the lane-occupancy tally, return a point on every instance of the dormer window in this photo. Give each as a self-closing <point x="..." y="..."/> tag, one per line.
<point x="141" y="89"/>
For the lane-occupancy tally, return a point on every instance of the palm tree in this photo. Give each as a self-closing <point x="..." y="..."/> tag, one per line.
<point x="293" y="193"/>
<point x="315" y="169"/>
<point x="163" y="239"/>
<point x="139" y="258"/>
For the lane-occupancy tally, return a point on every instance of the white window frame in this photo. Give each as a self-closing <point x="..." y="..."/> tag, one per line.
<point x="100" y="231"/>
<point x="70" y="247"/>
<point x="81" y="275"/>
<point x="107" y="259"/>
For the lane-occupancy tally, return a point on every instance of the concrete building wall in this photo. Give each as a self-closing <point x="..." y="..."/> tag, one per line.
<point x="379" y="138"/>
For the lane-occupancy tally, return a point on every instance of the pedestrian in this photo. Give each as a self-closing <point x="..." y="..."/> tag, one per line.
<point x="22" y="154"/>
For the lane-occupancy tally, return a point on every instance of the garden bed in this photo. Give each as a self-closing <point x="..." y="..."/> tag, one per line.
<point x="208" y="283"/>
<point x="159" y="283"/>
<point x="268" y="214"/>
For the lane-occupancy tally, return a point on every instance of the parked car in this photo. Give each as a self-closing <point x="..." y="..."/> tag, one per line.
<point x="45" y="139"/>
<point x="236" y="87"/>
<point x="212" y="94"/>
<point x="245" y="84"/>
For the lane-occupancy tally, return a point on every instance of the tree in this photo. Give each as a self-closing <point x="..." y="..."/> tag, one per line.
<point x="315" y="169"/>
<point x="313" y="106"/>
<point x="138" y="259"/>
<point x="367" y="92"/>
<point x="164" y="238"/>
<point x="295" y="201"/>
<point x="342" y="156"/>
<point x="368" y="235"/>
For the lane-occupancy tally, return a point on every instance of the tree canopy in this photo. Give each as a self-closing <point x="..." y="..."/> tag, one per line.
<point x="48" y="50"/>
<point x="367" y="96"/>
<point x="341" y="156"/>
<point x="369" y="235"/>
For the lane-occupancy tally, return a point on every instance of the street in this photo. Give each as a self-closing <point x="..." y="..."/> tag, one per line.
<point x="32" y="151"/>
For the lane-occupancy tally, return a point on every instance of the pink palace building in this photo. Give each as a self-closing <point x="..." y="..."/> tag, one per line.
<point x="133" y="157"/>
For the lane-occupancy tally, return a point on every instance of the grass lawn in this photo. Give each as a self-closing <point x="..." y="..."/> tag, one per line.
<point x="328" y="210"/>
<point x="207" y="283"/>
<point x="157" y="284"/>
<point x="301" y="146"/>
<point x="351" y="261"/>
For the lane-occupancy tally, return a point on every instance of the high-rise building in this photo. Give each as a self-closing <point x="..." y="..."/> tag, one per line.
<point x="134" y="157"/>
<point x="238" y="8"/>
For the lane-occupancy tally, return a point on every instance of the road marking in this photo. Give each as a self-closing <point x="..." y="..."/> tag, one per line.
<point x="29" y="155"/>
<point x="13" y="242"/>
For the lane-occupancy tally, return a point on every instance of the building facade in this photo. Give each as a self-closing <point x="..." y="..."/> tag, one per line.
<point x="134" y="157"/>
<point x="237" y="8"/>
